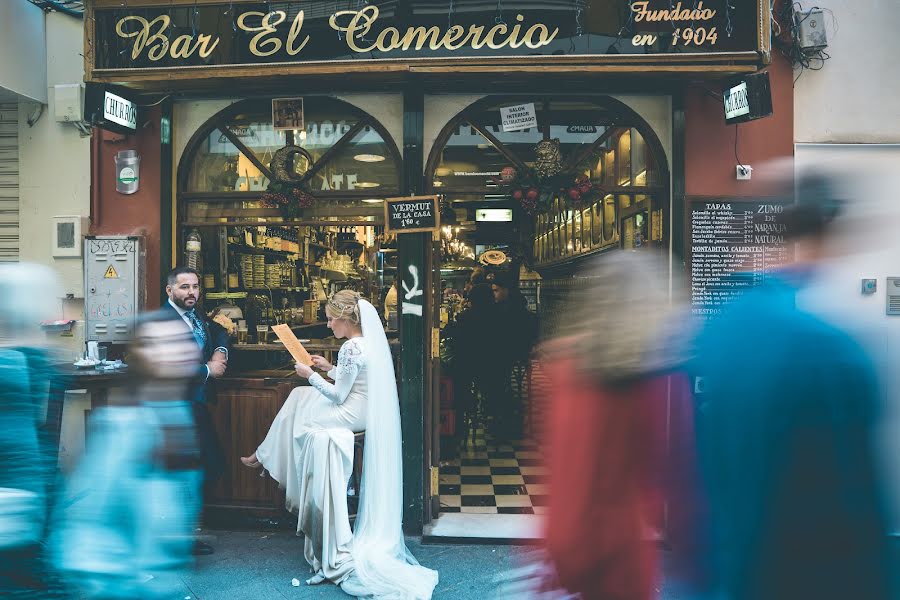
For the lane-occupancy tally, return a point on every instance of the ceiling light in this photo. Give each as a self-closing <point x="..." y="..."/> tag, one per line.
<point x="442" y="171"/>
<point x="368" y="157"/>
<point x="367" y="184"/>
<point x="437" y="183"/>
<point x="373" y="200"/>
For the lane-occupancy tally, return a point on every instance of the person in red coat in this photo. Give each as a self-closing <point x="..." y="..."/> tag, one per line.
<point x="605" y="438"/>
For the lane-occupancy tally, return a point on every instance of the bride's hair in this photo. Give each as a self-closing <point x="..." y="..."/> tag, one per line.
<point x="344" y="305"/>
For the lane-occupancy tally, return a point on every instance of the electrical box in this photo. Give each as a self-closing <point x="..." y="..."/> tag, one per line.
<point x="893" y="296"/>
<point x="811" y="30"/>
<point x="68" y="102"/>
<point x="113" y="272"/>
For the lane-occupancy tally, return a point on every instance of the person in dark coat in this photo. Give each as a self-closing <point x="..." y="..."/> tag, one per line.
<point x="785" y="428"/>
<point x="473" y="344"/>
<point x="183" y="289"/>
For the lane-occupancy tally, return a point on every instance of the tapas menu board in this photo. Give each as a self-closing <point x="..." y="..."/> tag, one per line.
<point x="412" y="214"/>
<point x="735" y="245"/>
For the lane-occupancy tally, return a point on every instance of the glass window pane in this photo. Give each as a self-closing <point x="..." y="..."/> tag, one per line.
<point x="469" y="162"/>
<point x="586" y="227"/>
<point x="609" y="218"/>
<point x="364" y="163"/>
<point x="217" y="166"/>
<point x="623" y="159"/>
<point x="597" y="229"/>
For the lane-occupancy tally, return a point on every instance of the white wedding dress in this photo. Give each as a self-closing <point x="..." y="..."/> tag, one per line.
<point x="309" y="452"/>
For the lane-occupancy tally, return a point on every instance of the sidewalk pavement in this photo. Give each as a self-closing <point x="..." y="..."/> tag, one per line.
<point x="260" y="565"/>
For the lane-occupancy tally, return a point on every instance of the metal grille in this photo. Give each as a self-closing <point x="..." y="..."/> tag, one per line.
<point x="9" y="182"/>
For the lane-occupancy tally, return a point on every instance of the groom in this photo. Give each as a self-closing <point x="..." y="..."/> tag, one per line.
<point x="183" y="289"/>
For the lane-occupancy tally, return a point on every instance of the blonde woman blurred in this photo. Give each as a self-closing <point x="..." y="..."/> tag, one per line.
<point x="309" y="452"/>
<point x="606" y="430"/>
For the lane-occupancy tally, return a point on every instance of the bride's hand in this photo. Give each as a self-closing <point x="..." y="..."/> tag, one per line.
<point x="320" y="363"/>
<point x="303" y="370"/>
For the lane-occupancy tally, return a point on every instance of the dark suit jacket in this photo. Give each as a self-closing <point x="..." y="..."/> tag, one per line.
<point x="216" y="337"/>
<point x="202" y="393"/>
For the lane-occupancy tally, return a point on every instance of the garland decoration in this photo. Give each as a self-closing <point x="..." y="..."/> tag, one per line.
<point x="535" y="194"/>
<point x="287" y="191"/>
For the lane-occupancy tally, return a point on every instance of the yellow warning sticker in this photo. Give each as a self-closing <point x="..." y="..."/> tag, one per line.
<point x="110" y="273"/>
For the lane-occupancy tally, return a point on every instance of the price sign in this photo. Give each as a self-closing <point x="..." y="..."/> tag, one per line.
<point x="411" y="214"/>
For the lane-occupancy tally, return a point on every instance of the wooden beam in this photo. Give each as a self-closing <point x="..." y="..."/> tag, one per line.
<point x="345" y="139"/>
<point x="245" y="150"/>
<point x="500" y="146"/>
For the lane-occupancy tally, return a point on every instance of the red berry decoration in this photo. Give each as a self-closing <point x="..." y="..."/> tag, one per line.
<point x="585" y="188"/>
<point x="574" y="194"/>
<point x="532" y="194"/>
<point x="517" y="195"/>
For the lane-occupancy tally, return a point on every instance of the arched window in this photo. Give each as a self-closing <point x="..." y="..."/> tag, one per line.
<point x="226" y="165"/>
<point x="600" y="138"/>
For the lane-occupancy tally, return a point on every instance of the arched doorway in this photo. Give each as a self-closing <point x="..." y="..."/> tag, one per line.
<point x="474" y="166"/>
<point x="263" y="265"/>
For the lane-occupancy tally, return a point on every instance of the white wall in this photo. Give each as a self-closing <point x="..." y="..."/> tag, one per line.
<point x="855" y="98"/>
<point x="54" y="179"/>
<point x="866" y="246"/>
<point x="54" y="160"/>
<point x="23" y="68"/>
<point x="847" y="120"/>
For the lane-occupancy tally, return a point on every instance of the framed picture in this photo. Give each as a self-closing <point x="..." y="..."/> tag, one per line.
<point x="66" y="236"/>
<point x="287" y="114"/>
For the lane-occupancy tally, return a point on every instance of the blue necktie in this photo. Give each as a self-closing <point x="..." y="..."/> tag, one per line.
<point x="199" y="331"/>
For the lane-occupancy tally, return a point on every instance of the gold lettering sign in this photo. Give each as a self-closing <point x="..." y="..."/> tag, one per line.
<point x="272" y="35"/>
<point x="354" y="25"/>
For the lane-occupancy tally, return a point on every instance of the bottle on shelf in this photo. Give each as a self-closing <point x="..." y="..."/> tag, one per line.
<point x="192" y="250"/>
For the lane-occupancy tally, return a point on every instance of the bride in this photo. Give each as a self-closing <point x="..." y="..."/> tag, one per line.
<point x="309" y="452"/>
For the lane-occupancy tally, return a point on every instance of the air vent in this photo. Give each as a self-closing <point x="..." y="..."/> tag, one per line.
<point x="893" y="295"/>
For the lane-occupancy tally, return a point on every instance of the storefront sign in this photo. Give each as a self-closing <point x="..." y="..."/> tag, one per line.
<point x="494" y="215"/>
<point x="173" y="34"/>
<point x="748" y="100"/>
<point x="735" y="245"/>
<point x="412" y="214"/>
<point x="519" y="117"/>
<point x="111" y="108"/>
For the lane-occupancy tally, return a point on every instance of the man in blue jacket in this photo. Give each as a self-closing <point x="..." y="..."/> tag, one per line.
<point x="785" y="434"/>
<point x="183" y="289"/>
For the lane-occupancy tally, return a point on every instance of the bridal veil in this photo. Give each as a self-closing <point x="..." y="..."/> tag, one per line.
<point x="384" y="567"/>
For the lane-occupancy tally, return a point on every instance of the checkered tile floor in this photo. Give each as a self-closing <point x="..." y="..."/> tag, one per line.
<point x="507" y="478"/>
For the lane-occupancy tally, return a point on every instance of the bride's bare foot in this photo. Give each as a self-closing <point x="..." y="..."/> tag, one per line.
<point x="251" y="461"/>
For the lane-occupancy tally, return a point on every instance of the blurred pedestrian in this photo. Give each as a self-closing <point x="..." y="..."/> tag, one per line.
<point x="184" y="306"/>
<point x="785" y="428"/>
<point x="605" y="436"/>
<point x="125" y="522"/>
<point x="28" y="294"/>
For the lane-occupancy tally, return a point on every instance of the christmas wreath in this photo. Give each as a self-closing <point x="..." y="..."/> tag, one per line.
<point x="287" y="191"/>
<point x="535" y="188"/>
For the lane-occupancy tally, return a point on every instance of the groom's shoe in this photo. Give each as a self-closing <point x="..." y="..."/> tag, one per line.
<point x="202" y="549"/>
